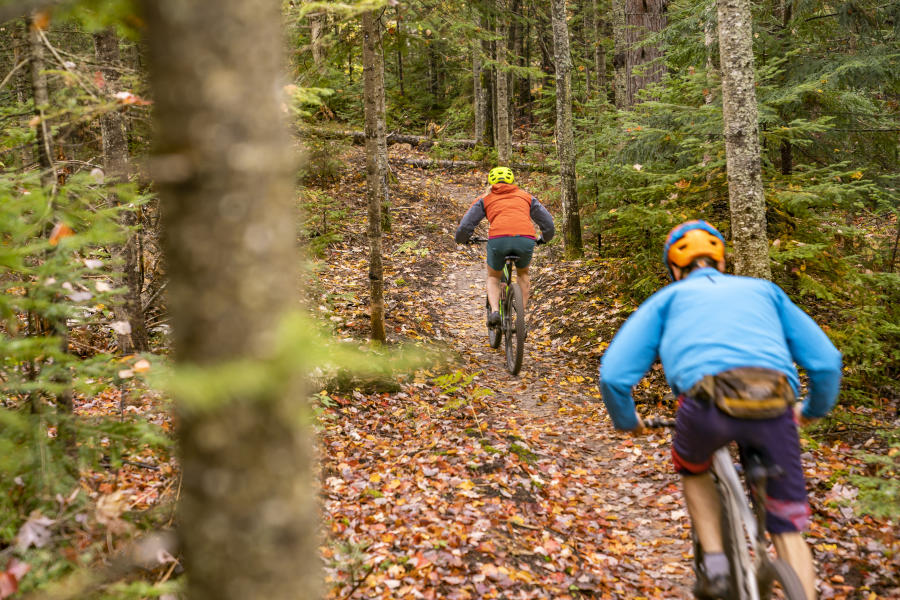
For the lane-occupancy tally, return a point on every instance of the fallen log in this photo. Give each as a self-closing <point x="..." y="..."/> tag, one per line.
<point x="426" y="163"/>
<point x="417" y="141"/>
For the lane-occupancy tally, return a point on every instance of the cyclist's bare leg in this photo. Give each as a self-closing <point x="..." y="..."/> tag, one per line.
<point x="705" y="509"/>
<point x="793" y="550"/>
<point x="524" y="284"/>
<point x="493" y="288"/>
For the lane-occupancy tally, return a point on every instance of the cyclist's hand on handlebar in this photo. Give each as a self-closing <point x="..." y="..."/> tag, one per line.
<point x="639" y="430"/>
<point x="799" y="418"/>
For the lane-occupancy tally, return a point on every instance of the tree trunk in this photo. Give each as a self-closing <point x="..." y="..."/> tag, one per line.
<point x="599" y="49"/>
<point x="587" y="30"/>
<point x="478" y="86"/>
<point x="643" y="63"/>
<point x="376" y="171"/>
<point x="115" y="162"/>
<point x="565" y="141"/>
<point x="248" y="511"/>
<point x="620" y="84"/>
<point x="742" y="153"/>
<point x="525" y="90"/>
<point x="401" y="42"/>
<point x="44" y="139"/>
<point x="504" y="143"/>
<point x="22" y="83"/>
<point x="316" y="27"/>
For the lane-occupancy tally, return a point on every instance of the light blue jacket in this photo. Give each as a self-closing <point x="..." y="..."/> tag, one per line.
<point x="710" y="322"/>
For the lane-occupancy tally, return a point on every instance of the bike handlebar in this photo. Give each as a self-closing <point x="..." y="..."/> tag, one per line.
<point x="479" y="240"/>
<point x="658" y="422"/>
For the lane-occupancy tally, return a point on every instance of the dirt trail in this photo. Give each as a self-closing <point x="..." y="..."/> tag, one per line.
<point x="637" y="486"/>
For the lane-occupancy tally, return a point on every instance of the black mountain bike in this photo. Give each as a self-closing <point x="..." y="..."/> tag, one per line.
<point x="512" y="316"/>
<point x="755" y="575"/>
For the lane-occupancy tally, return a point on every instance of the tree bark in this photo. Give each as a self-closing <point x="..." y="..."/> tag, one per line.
<point x="477" y="85"/>
<point x="44" y="139"/>
<point x="376" y="167"/>
<point x="620" y="85"/>
<point x="316" y="27"/>
<point x="565" y="140"/>
<point x="401" y="42"/>
<point x="224" y="169"/>
<point x="643" y="63"/>
<point x="504" y="142"/>
<point x="115" y="162"/>
<point x="742" y="152"/>
<point x="599" y="49"/>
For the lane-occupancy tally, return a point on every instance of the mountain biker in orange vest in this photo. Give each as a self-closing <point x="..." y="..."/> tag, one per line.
<point x="728" y="346"/>
<point x="510" y="211"/>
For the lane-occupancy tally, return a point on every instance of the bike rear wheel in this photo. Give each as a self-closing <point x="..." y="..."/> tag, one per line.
<point x="495" y="334"/>
<point x="735" y="535"/>
<point x="780" y="582"/>
<point x="514" y="328"/>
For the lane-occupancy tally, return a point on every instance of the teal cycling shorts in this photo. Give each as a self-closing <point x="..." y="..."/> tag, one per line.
<point x="499" y="248"/>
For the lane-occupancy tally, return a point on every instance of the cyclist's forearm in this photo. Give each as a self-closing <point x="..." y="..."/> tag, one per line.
<point x="469" y="221"/>
<point x="619" y="405"/>
<point x="823" y="392"/>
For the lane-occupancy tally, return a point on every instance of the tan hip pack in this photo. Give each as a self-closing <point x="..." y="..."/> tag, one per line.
<point x="746" y="392"/>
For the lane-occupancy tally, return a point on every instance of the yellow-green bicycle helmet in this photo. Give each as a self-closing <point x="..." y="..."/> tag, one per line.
<point x="500" y="175"/>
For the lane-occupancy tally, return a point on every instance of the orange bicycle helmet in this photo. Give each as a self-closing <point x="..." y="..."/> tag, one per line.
<point x="691" y="240"/>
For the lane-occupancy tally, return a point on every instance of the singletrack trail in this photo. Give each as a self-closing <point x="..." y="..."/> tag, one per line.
<point x="484" y="485"/>
<point x="629" y="485"/>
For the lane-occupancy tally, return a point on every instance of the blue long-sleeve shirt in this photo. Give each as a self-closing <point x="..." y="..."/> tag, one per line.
<point x="710" y="322"/>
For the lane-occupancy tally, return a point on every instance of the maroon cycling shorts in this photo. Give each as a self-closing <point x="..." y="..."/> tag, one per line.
<point x="701" y="429"/>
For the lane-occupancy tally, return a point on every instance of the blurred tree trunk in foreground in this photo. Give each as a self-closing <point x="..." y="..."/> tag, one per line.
<point x="247" y="515"/>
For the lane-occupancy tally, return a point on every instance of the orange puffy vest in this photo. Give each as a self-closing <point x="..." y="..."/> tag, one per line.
<point x="508" y="208"/>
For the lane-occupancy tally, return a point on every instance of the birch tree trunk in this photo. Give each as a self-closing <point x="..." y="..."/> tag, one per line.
<point x="504" y="143"/>
<point x="376" y="171"/>
<point x="247" y="517"/>
<point x="620" y="85"/>
<point x="742" y="152"/>
<point x="44" y="140"/>
<point x="115" y="162"/>
<point x="565" y="141"/>
<point x="316" y="27"/>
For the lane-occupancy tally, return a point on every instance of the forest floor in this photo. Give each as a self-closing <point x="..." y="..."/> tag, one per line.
<point x="466" y="482"/>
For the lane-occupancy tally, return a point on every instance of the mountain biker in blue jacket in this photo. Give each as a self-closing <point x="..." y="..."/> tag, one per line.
<point x="704" y="327"/>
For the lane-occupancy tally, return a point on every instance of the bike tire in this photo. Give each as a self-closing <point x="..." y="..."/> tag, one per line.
<point x="734" y="530"/>
<point x="514" y="329"/>
<point x="780" y="581"/>
<point x="495" y="334"/>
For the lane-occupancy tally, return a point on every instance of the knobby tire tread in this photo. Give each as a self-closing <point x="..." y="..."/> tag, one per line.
<point x="787" y="580"/>
<point x="515" y="334"/>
